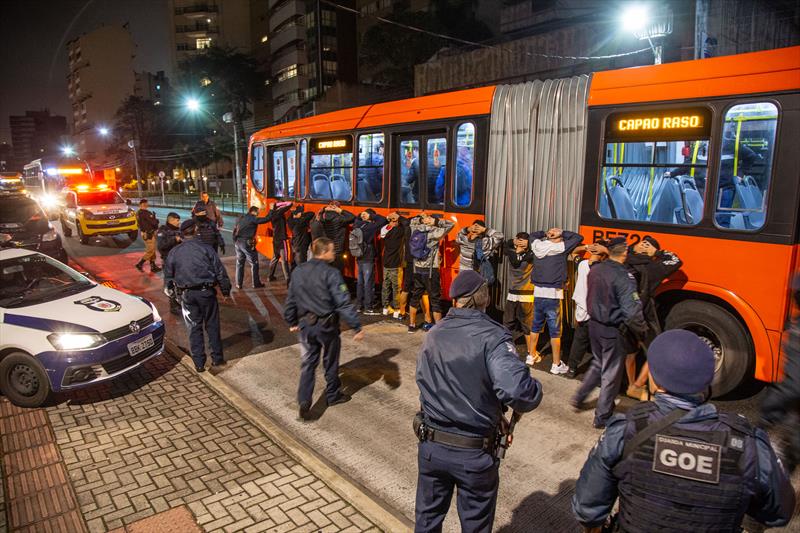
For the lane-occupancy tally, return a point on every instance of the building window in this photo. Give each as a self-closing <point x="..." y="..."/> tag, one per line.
<point x="328" y="18"/>
<point x="205" y="82"/>
<point x="264" y="38"/>
<point x="329" y="67"/>
<point x="369" y="178"/>
<point x="287" y="73"/>
<point x="748" y="143"/>
<point x="203" y="42"/>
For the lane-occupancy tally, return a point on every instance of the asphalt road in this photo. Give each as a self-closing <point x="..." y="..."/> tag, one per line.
<point x="369" y="438"/>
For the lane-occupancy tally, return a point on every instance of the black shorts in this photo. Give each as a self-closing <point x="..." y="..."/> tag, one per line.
<point x="408" y="278"/>
<point x="430" y="283"/>
<point x="518" y="316"/>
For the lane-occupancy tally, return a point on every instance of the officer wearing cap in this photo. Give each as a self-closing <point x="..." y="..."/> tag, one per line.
<point x="677" y="464"/>
<point x="468" y="373"/>
<point x="613" y="305"/>
<point x="168" y="237"/>
<point x="317" y="298"/>
<point x="194" y="270"/>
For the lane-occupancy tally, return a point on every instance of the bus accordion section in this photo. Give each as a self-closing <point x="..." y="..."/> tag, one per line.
<point x="696" y="154"/>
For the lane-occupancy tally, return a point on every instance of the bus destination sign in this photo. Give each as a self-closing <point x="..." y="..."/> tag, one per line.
<point x="664" y="124"/>
<point x="332" y="145"/>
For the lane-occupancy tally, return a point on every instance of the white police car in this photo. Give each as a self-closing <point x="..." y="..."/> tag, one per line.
<point x="60" y="330"/>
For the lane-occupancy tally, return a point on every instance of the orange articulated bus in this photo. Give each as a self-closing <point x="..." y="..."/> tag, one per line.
<point x="701" y="155"/>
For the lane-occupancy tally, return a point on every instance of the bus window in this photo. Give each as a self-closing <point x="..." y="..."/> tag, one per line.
<point x="369" y="178"/>
<point x="257" y="167"/>
<point x="331" y="176"/>
<point x="465" y="164"/>
<point x="437" y="170"/>
<point x="748" y="142"/>
<point x="277" y="177"/>
<point x="654" y="181"/>
<point x="409" y="172"/>
<point x="291" y="174"/>
<point x="303" y="164"/>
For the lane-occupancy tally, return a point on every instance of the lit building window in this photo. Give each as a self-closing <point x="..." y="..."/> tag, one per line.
<point x="205" y="82"/>
<point x="287" y="73"/>
<point x="264" y="38"/>
<point x="203" y="42"/>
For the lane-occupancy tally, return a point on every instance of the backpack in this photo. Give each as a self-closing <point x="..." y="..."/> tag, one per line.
<point x="483" y="265"/>
<point x="356" y="242"/>
<point x="418" y="244"/>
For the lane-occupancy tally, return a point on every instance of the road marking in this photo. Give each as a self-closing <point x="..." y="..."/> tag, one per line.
<point x="259" y="305"/>
<point x="273" y="300"/>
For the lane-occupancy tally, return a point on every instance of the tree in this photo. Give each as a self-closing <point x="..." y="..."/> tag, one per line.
<point x="392" y="51"/>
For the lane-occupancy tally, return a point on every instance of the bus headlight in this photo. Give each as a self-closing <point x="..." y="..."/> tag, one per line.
<point x="75" y="341"/>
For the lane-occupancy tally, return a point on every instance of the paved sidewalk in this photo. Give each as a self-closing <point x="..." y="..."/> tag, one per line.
<point x="160" y="440"/>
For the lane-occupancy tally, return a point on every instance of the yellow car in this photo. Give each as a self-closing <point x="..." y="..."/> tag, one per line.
<point x="94" y="211"/>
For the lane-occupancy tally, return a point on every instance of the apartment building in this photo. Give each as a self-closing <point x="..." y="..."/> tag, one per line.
<point x="199" y="24"/>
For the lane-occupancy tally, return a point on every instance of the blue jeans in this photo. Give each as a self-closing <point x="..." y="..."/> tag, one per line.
<point x="547" y="310"/>
<point x="243" y="253"/>
<point x="201" y="313"/>
<point x="365" y="289"/>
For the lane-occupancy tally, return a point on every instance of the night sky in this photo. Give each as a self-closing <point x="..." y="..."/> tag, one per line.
<point x="33" y="53"/>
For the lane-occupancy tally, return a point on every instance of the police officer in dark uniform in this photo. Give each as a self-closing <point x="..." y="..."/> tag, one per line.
<point x="317" y="298"/>
<point x="244" y="244"/>
<point x="168" y="237"/>
<point x="615" y="311"/>
<point x="676" y="464"/>
<point x="468" y="373"/>
<point x="781" y="403"/>
<point x="194" y="271"/>
<point x="208" y="232"/>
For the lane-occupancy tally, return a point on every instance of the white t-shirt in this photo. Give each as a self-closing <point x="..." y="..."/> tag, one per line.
<point x="581" y="291"/>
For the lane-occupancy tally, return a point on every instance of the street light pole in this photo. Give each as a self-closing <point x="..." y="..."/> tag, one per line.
<point x="230" y="118"/>
<point x="132" y="146"/>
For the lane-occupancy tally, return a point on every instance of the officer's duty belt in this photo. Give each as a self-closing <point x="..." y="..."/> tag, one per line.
<point x="453" y="439"/>
<point x="200" y="287"/>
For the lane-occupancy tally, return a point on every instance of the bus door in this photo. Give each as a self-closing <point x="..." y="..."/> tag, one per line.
<point x="282" y="163"/>
<point x="420" y="172"/>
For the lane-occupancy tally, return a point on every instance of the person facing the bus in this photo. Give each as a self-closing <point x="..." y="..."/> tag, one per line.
<point x="476" y="242"/>
<point x="299" y="222"/>
<point x="426" y="234"/>
<point x="148" y="225"/>
<point x="394" y="234"/>
<point x="280" y="255"/>
<point x="208" y="231"/>
<point x="365" y="229"/>
<point x="212" y="211"/>
<point x="580" y="337"/>
<point x="551" y="250"/>
<point x="167" y="238"/>
<point x="335" y="222"/>
<point x="677" y="464"/>
<point x="244" y="244"/>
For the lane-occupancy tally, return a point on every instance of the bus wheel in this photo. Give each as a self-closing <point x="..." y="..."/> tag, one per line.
<point x="66" y="229"/>
<point x="23" y="380"/>
<point x="725" y="335"/>
<point x="83" y="238"/>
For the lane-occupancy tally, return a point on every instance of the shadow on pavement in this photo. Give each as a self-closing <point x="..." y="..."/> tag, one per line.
<point x="541" y="511"/>
<point x="119" y="386"/>
<point x="359" y="373"/>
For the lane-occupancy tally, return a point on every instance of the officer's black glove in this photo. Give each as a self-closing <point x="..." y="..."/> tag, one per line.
<point x="222" y="249"/>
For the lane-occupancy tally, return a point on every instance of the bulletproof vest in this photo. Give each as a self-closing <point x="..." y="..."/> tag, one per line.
<point x="690" y="478"/>
<point x="207" y="232"/>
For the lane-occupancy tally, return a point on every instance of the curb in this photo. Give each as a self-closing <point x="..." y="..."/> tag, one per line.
<point x="371" y="506"/>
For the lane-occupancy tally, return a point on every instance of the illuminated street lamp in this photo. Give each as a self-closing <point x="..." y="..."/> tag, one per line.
<point x="102" y="130"/>
<point x="193" y="104"/>
<point x="68" y="151"/>
<point x="649" y="23"/>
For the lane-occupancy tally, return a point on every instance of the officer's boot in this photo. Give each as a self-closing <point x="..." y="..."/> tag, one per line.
<point x="154" y="267"/>
<point x="140" y="265"/>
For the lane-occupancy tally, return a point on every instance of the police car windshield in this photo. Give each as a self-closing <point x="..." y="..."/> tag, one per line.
<point x="99" y="198"/>
<point x="33" y="279"/>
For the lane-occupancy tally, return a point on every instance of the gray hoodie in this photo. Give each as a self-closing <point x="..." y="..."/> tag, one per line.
<point x="436" y="233"/>
<point x="490" y="242"/>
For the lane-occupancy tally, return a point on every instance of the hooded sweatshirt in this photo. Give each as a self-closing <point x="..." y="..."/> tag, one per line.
<point x="489" y="242"/>
<point x="550" y="259"/>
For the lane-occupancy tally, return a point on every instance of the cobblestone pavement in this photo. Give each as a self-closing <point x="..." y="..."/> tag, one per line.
<point x="160" y="439"/>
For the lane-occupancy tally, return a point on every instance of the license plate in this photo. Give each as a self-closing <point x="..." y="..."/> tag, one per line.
<point x="135" y="348"/>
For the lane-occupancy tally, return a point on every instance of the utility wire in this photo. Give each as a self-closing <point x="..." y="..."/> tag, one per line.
<point x="473" y="43"/>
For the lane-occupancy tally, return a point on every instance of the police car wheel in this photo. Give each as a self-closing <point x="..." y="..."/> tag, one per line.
<point x="66" y="229"/>
<point x="133" y="235"/>
<point x="725" y="335"/>
<point x="83" y="238"/>
<point x="23" y="381"/>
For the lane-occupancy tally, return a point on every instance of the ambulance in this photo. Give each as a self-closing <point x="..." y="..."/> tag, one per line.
<point x="60" y="331"/>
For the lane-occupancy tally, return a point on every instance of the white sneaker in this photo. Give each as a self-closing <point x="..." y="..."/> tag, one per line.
<point x="385" y="311"/>
<point x="529" y="360"/>
<point x="560" y="368"/>
<point x="533" y="359"/>
<point x="396" y="314"/>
